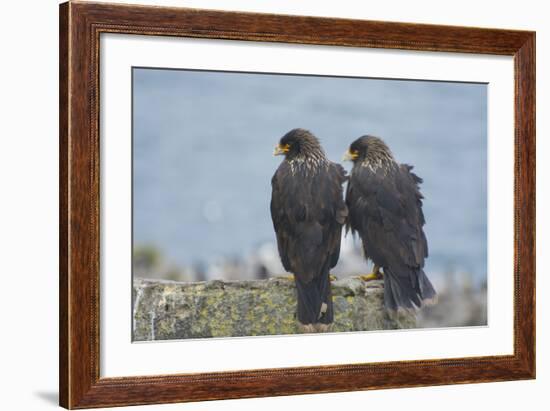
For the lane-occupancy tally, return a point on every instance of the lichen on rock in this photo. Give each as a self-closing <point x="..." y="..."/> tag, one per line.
<point x="166" y="310"/>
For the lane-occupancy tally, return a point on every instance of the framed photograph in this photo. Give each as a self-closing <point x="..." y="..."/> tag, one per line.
<point x="259" y="205"/>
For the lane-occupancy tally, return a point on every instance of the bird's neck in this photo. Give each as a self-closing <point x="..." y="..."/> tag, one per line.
<point x="308" y="162"/>
<point x="379" y="161"/>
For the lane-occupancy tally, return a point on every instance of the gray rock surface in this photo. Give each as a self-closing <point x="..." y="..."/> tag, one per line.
<point x="165" y="310"/>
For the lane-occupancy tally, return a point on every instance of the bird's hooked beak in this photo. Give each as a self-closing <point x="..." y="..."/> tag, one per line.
<point x="280" y="150"/>
<point x="350" y="156"/>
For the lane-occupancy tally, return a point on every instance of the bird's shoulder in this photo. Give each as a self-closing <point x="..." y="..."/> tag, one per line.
<point x="368" y="180"/>
<point x="282" y="170"/>
<point x="284" y="178"/>
<point x="407" y="169"/>
<point x="409" y="182"/>
<point x="377" y="189"/>
<point x="338" y="171"/>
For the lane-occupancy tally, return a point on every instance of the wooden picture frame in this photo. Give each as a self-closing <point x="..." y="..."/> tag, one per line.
<point x="80" y="27"/>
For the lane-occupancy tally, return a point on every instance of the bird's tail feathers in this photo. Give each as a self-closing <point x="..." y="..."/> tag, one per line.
<point x="426" y="289"/>
<point x="407" y="290"/>
<point x="305" y="249"/>
<point x="315" y="300"/>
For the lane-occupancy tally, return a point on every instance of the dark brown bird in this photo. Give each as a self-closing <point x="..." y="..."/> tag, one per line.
<point x="385" y="209"/>
<point x="308" y="212"/>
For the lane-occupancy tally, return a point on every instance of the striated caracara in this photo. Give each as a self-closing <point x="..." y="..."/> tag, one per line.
<point x="385" y="209"/>
<point x="308" y="212"/>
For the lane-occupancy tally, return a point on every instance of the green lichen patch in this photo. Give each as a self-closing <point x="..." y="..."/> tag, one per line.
<point x="165" y="310"/>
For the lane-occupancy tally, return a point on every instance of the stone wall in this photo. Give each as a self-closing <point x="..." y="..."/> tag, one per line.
<point x="165" y="310"/>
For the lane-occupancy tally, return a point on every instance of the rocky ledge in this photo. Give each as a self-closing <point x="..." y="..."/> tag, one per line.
<point x="166" y="310"/>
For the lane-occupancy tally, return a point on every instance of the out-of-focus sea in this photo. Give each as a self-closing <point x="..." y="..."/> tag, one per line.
<point x="202" y="159"/>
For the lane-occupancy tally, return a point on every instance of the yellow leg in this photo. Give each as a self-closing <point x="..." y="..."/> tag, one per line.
<point x="375" y="275"/>
<point x="332" y="277"/>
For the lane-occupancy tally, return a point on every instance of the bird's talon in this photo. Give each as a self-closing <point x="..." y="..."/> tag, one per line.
<point x="371" y="277"/>
<point x="375" y="275"/>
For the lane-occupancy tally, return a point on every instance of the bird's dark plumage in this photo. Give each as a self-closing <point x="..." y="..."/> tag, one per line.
<point x="308" y="213"/>
<point x="385" y="209"/>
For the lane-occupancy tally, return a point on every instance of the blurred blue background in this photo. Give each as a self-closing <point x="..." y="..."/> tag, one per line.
<point x="202" y="165"/>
